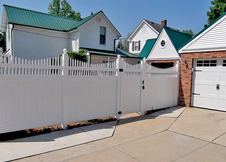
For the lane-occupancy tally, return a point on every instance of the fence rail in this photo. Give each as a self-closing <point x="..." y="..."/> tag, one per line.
<point x="61" y="90"/>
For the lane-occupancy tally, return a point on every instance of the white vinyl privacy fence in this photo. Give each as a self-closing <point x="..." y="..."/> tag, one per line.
<point x="61" y="90"/>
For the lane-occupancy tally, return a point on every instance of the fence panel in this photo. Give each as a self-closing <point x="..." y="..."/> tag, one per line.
<point x="90" y="91"/>
<point x="28" y="98"/>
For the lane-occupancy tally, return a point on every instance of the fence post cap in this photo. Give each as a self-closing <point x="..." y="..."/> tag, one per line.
<point x="118" y="56"/>
<point x="87" y="54"/>
<point x="65" y="51"/>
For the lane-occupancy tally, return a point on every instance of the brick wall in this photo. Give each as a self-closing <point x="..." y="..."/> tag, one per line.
<point x="185" y="83"/>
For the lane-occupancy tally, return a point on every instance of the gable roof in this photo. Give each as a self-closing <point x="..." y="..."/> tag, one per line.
<point x="177" y="38"/>
<point x="37" y="19"/>
<point x="202" y="31"/>
<point x="147" y="48"/>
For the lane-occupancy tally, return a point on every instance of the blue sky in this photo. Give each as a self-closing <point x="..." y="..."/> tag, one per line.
<point x="127" y="14"/>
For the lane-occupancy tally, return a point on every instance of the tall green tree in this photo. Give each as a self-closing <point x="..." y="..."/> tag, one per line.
<point x="54" y="8"/>
<point x="63" y="8"/>
<point x="217" y="9"/>
<point x="2" y="41"/>
<point x="67" y="11"/>
<point x="189" y="32"/>
<point x="120" y="45"/>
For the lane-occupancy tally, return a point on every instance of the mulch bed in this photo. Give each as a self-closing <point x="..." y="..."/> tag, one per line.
<point x="44" y="130"/>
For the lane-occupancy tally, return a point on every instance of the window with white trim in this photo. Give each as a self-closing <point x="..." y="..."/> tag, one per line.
<point x="136" y="46"/>
<point x="102" y="35"/>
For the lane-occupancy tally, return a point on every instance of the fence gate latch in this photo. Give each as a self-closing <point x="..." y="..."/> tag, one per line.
<point x="120" y="112"/>
<point x="143" y="87"/>
<point x="120" y="70"/>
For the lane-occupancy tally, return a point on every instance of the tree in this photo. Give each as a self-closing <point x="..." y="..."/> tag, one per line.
<point x="54" y="8"/>
<point x="2" y="41"/>
<point x="125" y="42"/>
<point x="67" y="11"/>
<point x="218" y="8"/>
<point x="189" y="32"/>
<point x="63" y="8"/>
<point x="120" y="45"/>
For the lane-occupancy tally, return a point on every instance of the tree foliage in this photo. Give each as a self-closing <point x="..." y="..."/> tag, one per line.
<point x="189" y="32"/>
<point x="2" y="41"/>
<point x="120" y="45"/>
<point x="126" y="43"/>
<point x="80" y="55"/>
<point x="217" y="9"/>
<point x="63" y="8"/>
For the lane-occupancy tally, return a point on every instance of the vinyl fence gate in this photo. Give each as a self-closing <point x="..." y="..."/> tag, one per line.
<point x="60" y="90"/>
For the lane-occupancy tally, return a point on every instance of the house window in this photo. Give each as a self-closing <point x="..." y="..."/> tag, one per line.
<point x="136" y="46"/>
<point x="102" y="35"/>
<point x="163" y="43"/>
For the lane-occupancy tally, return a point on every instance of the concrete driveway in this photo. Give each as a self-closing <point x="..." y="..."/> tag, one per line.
<point x="194" y="135"/>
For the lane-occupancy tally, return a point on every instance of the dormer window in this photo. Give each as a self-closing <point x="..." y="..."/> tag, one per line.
<point x="102" y="35"/>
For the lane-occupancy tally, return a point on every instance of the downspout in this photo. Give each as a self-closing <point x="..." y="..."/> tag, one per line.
<point x="12" y="40"/>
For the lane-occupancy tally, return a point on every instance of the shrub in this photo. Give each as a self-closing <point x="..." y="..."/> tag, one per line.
<point x="80" y="55"/>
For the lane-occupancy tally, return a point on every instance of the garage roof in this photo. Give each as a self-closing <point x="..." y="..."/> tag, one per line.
<point x="203" y="30"/>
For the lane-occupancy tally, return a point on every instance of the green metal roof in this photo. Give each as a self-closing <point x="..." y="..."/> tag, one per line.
<point x="177" y="38"/>
<point x="101" y="53"/>
<point x="105" y="53"/>
<point x="147" y="48"/>
<point x="126" y="53"/>
<point x="202" y="31"/>
<point x="27" y="17"/>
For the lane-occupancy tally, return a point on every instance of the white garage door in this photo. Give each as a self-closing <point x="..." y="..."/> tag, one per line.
<point x="209" y="84"/>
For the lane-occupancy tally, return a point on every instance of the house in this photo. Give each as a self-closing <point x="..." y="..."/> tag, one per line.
<point x="162" y="52"/>
<point x="203" y="68"/>
<point x="36" y="35"/>
<point x="145" y="30"/>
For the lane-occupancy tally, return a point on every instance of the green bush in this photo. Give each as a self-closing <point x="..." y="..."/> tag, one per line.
<point x="80" y="55"/>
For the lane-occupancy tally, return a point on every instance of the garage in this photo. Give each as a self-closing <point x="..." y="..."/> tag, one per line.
<point x="203" y="68"/>
<point x="209" y="84"/>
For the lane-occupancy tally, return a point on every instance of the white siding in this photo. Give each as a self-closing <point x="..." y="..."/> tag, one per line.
<point x="143" y="33"/>
<point x="159" y="53"/>
<point x="33" y="43"/>
<point x="212" y="38"/>
<point x="73" y="36"/>
<point x="90" y="34"/>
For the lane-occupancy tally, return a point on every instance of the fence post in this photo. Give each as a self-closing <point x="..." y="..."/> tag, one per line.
<point x="65" y="62"/>
<point x="118" y="87"/>
<point x="177" y="82"/>
<point x="142" y="81"/>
